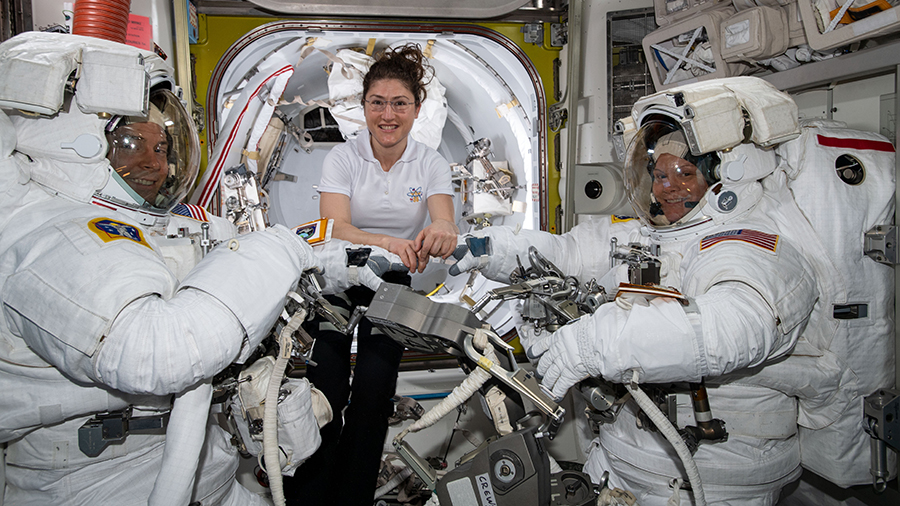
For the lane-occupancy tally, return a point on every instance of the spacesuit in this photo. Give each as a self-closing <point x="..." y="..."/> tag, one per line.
<point x="695" y="170"/>
<point x="105" y="316"/>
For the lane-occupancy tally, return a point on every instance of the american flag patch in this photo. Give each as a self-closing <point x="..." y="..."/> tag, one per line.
<point x="191" y="211"/>
<point x="765" y="241"/>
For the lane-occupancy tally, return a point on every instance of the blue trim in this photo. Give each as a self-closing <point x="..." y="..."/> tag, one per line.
<point x="421" y="397"/>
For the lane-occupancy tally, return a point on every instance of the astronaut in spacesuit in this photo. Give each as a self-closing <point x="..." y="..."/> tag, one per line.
<point x="107" y="313"/>
<point x="694" y="173"/>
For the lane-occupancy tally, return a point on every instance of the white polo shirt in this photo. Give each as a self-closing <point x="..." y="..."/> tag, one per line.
<point x="393" y="202"/>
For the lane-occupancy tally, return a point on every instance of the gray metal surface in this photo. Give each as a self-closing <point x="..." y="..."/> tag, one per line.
<point x="420" y="324"/>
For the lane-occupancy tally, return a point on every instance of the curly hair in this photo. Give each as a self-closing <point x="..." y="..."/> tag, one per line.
<point x="406" y="64"/>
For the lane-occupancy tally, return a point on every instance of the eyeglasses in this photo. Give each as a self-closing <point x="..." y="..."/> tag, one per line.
<point x="398" y="106"/>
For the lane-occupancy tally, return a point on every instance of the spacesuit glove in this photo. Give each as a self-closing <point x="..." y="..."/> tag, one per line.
<point x="567" y="356"/>
<point x="528" y="336"/>
<point x="345" y="264"/>
<point x="492" y="251"/>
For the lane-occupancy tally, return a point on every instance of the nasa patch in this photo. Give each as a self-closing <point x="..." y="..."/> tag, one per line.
<point x="109" y="230"/>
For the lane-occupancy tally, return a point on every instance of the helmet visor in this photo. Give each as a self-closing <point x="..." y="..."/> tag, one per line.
<point x="664" y="181"/>
<point x="157" y="157"/>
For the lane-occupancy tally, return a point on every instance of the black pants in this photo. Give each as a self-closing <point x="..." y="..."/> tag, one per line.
<point x="344" y="469"/>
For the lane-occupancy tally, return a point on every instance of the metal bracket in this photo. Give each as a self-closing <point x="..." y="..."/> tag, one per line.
<point x="112" y="428"/>
<point x="881" y="244"/>
<point x="422" y="468"/>
<point x="522" y="382"/>
<point x="559" y="34"/>
<point x="534" y="33"/>
<point x="882" y="423"/>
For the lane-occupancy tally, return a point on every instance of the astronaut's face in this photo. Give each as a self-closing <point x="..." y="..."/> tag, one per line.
<point x="389" y="125"/>
<point x="138" y="153"/>
<point x="677" y="185"/>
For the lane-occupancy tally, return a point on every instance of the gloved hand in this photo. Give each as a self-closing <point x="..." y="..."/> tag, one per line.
<point x="342" y="269"/>
<point x="654" y="337"/>
<point x="564" y="356"/>
<point x="528" y="335"/>
<point x="492" y="251"/>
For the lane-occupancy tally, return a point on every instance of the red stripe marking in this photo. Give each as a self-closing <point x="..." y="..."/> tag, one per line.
<point x="96" y="203"/>
<point x="209" y="189"/>
<point x="836" y="142"/>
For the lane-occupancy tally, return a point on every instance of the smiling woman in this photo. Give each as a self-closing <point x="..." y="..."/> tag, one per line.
<point x="379" y="188"/>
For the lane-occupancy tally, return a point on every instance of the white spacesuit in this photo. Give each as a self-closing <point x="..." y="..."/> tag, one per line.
<point x="695" y="175"/>
<point x="105" y="316"/>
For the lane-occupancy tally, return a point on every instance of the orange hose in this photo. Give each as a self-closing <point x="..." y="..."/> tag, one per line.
<point x="103" y="19"/>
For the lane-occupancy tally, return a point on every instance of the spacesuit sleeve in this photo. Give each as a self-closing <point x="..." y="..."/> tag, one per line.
<point x="236" y="291"/>
<point x="110" y="313"/>
<point x="750" y="307"/>
<point x="582" y="252"/>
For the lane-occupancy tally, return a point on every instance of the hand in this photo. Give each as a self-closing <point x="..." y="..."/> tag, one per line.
<point x="471" y="253"/>
<point x="406" y="250"/>
<point x="340" y="275"/>
<point x="531" y="339"/>
<point x="564" y="361"/>
<point x="437" y="239"/>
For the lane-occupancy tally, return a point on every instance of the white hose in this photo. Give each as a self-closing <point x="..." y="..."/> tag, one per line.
<point x="185" y="435"/>
<point x="460" y="394"/>
<point x="665" y="426"/>
<point x="271" y="451"/>
<point x="396" y="480"/>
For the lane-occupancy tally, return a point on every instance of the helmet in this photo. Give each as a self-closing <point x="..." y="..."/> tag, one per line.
<point x="154" y="159"/>
<point x="696" y="153"/>
<point x="665" y="182"/>
<point x="71" y="133"/>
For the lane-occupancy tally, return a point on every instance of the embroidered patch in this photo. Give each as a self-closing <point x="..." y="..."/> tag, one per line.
<point x="191" y="211"/>
<point x="111" y="230"/>
<point x="414" y="194"/>
<point x="765" y="241"/>
<point x="621" y="219"/>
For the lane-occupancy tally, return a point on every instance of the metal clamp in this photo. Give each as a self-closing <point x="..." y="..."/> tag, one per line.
<point x="522" y="382"/>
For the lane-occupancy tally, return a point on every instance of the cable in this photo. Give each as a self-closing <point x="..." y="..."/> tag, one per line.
<point x="271" y="450"/>
<point x="666" y="428"/>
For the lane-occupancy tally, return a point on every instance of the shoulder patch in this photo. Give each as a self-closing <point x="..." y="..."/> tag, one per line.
<point x="763" y="240"/>
<point x="191" y="211"/>
<point x="109" y="230"/>
<point x="615" y="218"/>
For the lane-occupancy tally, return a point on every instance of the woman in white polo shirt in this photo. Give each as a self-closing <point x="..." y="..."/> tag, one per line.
<point x="379" y="188"/>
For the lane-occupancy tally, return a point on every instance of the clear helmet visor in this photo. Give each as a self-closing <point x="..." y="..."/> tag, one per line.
<point x="666" y="184"/>
<point x="155" y="159"/>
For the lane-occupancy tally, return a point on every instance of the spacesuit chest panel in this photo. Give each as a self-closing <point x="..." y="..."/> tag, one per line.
<point x="181" y="244"/>
<point x="764" y="261"/>
<point x="67" y="272"/>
